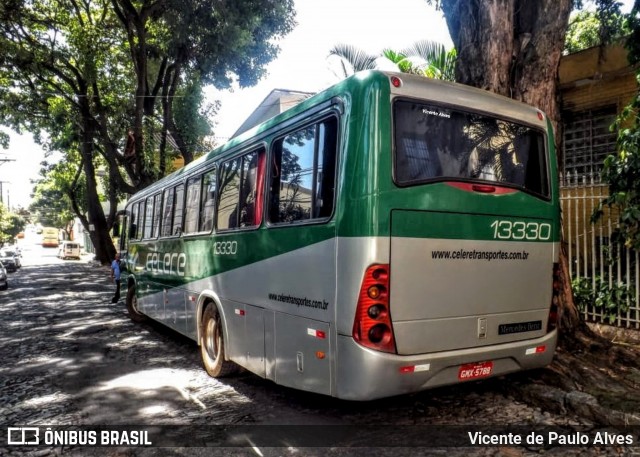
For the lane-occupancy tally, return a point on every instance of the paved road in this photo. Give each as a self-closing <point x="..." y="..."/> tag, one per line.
<point x="71" y="358"/>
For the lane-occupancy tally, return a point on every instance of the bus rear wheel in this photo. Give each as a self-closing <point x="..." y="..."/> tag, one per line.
<point x="212" y="345"/>
<point x="132" y="306"/>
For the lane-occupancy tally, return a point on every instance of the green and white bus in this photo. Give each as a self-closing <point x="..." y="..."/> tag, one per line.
<point x="388" y="235"/>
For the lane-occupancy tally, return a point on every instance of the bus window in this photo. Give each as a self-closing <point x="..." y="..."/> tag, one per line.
<point x="177" y="214"/>
<point x="229" y="194"/>
<point x="167" y="212"/>
<point x="433" y="142"/>
<point x="133" y="231"/>
<point x="148" y="218"/>
<point x="139" y="220"/>
<point x="325" y="176"/>
<point x="208" y="201"/>
<point x="303" y="174"/>
<point x="192" y="208"/>
<point x="238" y="192"/>
<point x="248" y="186"/>
<point x="123" y="231"/>
<point x="157" y="211"/>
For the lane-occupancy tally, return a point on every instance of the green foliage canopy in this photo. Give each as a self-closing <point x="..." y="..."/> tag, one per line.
<point x="120" y="81"/>
<point x="424" y="57"/>
<point x="586" y="30"/>
<point x="10" y="225"/>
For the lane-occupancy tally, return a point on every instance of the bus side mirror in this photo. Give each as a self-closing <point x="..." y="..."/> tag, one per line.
<point x="116" y="229"/>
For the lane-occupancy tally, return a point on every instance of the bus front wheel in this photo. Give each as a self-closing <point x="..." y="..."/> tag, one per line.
<point x="212" y="345"/>
<point x="132" y="306"/>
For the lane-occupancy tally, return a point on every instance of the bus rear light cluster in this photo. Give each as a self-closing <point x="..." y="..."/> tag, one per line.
<point x="372" y="324"/>
<point x="552" y="322"/>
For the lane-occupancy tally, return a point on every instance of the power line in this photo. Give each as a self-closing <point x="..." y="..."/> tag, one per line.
<point x="6" y="160"/>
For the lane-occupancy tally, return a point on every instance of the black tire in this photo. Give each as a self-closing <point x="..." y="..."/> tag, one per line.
<point x="212" y="345"/>
<point x="132" y="306"/>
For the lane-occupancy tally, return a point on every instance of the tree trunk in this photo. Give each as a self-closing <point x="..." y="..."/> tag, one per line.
<point x="513" y="48"/>
<point x="98" y="229"/>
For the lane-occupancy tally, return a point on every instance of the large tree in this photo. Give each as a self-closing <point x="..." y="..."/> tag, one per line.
<point x="54" y="53"/>
<point x="122" y="79"/>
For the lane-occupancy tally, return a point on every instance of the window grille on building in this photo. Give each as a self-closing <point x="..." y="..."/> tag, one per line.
<point x="588" y="140"/>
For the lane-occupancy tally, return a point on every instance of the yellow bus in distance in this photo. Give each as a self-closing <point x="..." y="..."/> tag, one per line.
<point x="50" y="237"/>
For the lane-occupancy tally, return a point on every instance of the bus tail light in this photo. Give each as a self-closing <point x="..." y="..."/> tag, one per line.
<point x="552" y="322"/>
<point x="395" y="81"/>
<point x="372" y="325"/>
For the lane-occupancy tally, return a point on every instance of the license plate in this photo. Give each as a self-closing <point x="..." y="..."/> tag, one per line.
<point x="475" y="370"/>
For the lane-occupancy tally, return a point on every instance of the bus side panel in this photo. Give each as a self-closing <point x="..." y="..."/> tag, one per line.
<point x="301" y="281"/>
<point x="175" y="309"/>
<point x="233" y="315"/>
<point x="270" y="344"/>
<point x="245" y="343"/>
<point x="303" y="353"/>
<point x="255" y="340"/>
<point x="148" y="301"/>
<point x="191" y="318"/>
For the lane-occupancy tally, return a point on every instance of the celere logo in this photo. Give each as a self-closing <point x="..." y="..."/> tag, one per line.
<point x="22" y="436"/>
<point x="170" y="263"/>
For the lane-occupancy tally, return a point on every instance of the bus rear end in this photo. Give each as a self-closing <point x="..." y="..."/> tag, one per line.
<point x="50" y="237"/>
<point x="466" y="288"/>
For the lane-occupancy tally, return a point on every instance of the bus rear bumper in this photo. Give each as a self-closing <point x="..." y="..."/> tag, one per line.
<point x="364" y="374"/>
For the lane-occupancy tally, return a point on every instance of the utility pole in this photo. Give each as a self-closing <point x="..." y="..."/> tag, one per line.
<point x="4" y="160"/>
<point x="2" y="193"/>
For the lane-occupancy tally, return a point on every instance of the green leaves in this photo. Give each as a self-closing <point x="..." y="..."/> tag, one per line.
<point x="424" y="57"/>
<point x="10" y="225"/>
<point x="356" y="58"/>
<point x="595" y="28"/>
<point x="610" y="298"/>
<point x="621" y="172"/>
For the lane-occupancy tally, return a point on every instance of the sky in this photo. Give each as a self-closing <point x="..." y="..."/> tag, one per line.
<point x="302" y="65"/>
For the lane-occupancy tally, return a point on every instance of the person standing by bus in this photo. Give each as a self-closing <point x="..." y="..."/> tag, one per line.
<point x="115" y="277"/>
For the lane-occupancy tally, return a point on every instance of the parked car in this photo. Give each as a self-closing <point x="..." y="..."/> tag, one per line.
<point x="8" y="261"/>
<point x="69" y="249"/>
<point x="4" y="282"/>
<point x="12" y="253"/>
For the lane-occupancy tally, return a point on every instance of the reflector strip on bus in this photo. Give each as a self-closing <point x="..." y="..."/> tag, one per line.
<point x="239" y="312"/>
<point x="316" y="333"/>
<point x="415" y="368"/>
<point x="192" y="298"/>
<point x="536" y="350"/>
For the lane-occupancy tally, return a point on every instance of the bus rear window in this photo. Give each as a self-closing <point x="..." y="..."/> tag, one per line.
<point x="438" y="143"/>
